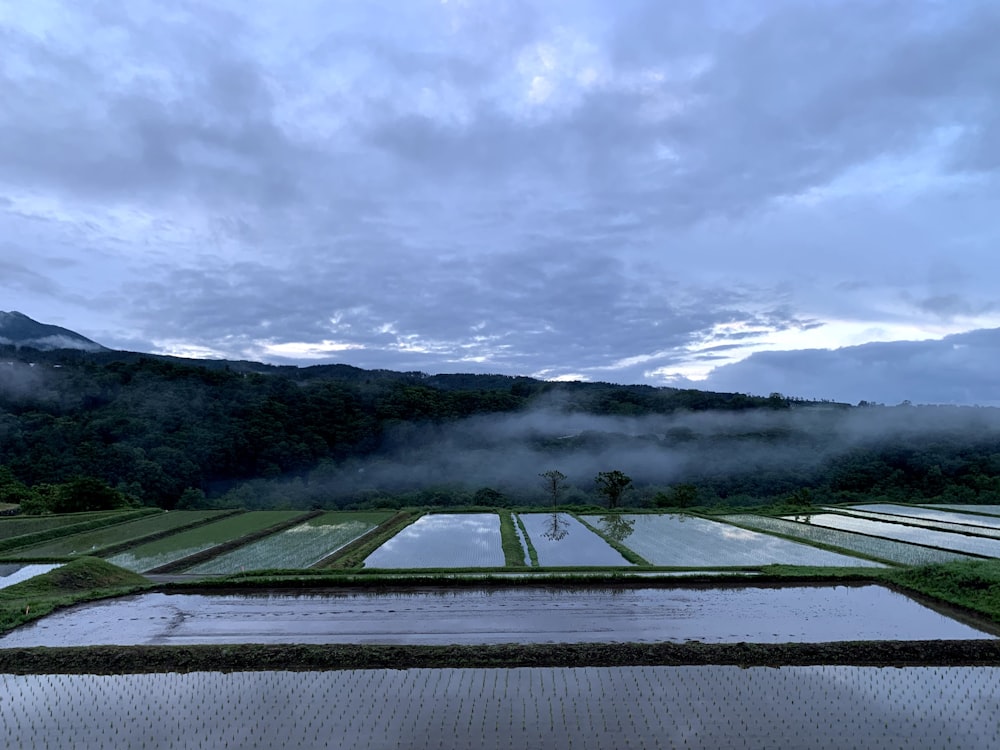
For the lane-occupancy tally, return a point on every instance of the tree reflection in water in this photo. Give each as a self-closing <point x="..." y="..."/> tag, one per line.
<point x="556" y="528"/>
<point x="617" y="527"/>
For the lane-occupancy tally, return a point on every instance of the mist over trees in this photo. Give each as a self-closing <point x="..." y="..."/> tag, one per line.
<point x="181" y="433"/>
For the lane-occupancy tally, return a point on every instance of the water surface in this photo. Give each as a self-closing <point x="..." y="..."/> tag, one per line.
<point x="510" y="615"/>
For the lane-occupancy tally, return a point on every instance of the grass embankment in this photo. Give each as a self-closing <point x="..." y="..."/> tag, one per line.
<point x="532" y="552"/>
<point x="630" y="555"/>
<point x="974" y="585"/>
<point x="83" y="579"/>
<point x="353" y="555"/>
<point x="513" y="552"/>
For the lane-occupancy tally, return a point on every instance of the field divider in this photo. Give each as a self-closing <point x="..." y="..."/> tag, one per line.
<point x="114" y="549"/>
<point x="629" y="554"/>
<point x="207" y="554"/>
<point x="532" y="552"/>
<point x="106" y="660"/>
<point x="510" y="542"/>
<point x="37" y="537"/>
<point x="354" y="553"/>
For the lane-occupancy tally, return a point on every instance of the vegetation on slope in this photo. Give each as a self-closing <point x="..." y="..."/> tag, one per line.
<point x="973" y="585"/>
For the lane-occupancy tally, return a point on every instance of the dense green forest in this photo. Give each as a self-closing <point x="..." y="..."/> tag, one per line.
<point x="179" y="433"/>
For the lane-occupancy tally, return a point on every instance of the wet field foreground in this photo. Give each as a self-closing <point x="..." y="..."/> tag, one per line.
<point x="792" y="614"/>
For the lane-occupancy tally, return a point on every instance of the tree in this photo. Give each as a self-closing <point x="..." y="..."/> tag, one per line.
<point x="11" y="489"/>
<point x="87" y="493"/>
<point x="554" y="482"/>
<point x="613" y="484"/>
<point x="489" y="497"/>
<point x="680" y="496"/>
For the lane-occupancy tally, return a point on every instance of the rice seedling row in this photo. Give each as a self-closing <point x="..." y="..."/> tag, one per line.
<point x="680" y="540"/>
<point x="906" y="533"/>
<point x="186" y="543"/>
<point x="501" y="709"/>
<point x="443" y="540"/>
<point x="990" y="510"/>
<point x="13" y="546"/>
<point x="883" y="549"/>
<point x="93" y="542"/>
<point x="298" y="547"/>
<point x="933" y="514"/>
<point x="14" y="526"/>
<point x="560" y="539"/>
<point x="962" y="528"/>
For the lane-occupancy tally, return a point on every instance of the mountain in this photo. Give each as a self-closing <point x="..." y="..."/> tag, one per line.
<point x="17" y="329"/>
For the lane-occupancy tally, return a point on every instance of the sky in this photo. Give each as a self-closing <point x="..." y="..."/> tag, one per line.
<point x="796" y="196"/>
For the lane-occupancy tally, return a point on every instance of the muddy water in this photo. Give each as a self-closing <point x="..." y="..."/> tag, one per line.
<point x="763" y="615"/>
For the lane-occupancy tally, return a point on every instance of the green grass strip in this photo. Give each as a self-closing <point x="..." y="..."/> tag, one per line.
<point x="513" y="552"/>
<point x="974" y="586"/>
<point x="532" y="552"/>
<point x="630" y="555"/>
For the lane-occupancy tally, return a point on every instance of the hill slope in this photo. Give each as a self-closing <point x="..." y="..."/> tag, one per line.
<point x="17" y="329"/>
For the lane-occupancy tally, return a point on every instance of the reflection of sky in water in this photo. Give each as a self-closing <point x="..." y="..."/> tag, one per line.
<point x="691" y="541"/>
<point x="514" y="614"/>
<point x="443" y="540"/>
<point x="737" y="534"/>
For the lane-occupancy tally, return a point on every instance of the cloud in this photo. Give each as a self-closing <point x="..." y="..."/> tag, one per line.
<point x="958" y="369"/>
<point x="568" y="188"/>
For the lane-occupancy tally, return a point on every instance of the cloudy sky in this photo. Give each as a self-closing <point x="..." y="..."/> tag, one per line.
<point x="753" y="196"/>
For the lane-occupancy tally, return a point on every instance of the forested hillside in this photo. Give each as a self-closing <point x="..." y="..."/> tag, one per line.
<point x="164" y="432"/>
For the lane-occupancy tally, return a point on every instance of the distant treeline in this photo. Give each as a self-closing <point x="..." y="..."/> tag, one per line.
<point x="168" y="432"/>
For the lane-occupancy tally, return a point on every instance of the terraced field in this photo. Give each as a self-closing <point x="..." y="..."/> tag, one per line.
<point x="488" y="621"/>
<point x="300" y="546"/>
<point x="94" y="542"/>
<point x="170" y="549"/>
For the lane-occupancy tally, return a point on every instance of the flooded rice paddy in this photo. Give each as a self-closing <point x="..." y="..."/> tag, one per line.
<point x="444" y="540"/>
<point x="905" y="533"/>
<point x="560" y="539"/>
<point x="505" y="615"/>
<point x="591" y="707"/>
<point x="665" y="539"/>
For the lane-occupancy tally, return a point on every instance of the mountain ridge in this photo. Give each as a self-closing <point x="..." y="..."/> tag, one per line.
<point x="17" y="329"/>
